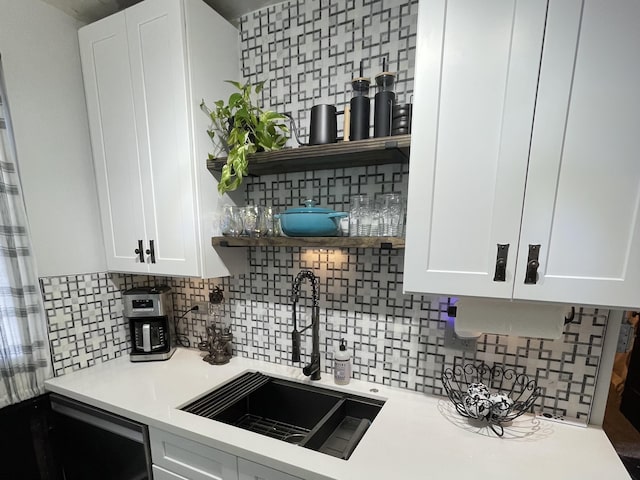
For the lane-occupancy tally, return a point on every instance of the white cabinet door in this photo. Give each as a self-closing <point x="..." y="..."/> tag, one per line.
<point x="190" y="459"/>
<point x="109" y="95"/>
<point x="159" y="77"/>
<point x="254" y="471"/>
<point x="475" y="85"/>
<point x="582" y="203"/>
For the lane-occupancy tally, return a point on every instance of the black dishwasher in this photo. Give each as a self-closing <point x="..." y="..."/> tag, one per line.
<point x="98" y="445"/>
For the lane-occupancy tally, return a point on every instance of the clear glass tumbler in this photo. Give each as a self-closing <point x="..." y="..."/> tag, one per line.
<point x="254" y="221"/>
<point x="360" y="216"/>
<point x="248" y="220"/>
<point x="391" y="214"/>
<point x="376" y="218"/>
<point x="269" y="221"/>
<point x="231" y="221"/>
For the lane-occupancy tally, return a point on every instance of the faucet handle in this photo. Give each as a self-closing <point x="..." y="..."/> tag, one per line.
<point x="295" y="346"/>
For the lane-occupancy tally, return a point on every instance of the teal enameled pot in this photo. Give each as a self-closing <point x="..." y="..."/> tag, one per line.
<point x="310" y="221"/>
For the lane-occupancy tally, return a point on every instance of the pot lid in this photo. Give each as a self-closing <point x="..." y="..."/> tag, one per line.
<point x="310" y="207"/>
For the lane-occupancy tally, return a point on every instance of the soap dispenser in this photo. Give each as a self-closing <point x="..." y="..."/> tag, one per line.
<point x="342" y="365"/>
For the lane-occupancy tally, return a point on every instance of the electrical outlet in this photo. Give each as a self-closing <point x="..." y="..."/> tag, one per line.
<point x="560" y="419"/>
<point x="625" y="338"/>
<point x="204" y="308"/>
<point x="453" y="341"/>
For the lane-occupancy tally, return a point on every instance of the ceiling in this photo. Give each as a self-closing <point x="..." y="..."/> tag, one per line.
<point x="88" y="11"/>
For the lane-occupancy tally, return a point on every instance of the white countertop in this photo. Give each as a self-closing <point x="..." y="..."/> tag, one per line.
<point x="414" y="436"/>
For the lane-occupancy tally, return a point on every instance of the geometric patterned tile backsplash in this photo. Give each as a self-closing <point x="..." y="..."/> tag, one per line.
<point x="395" y="339"/>
<point x="309" y="51"/>
<point x="86" y="325"/>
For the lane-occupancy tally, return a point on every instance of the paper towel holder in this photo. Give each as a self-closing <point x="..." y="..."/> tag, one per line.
<point x="452" y="310"/>
<point x="463" y="334"/>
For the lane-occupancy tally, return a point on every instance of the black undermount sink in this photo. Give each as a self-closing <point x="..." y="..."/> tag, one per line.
<point x="313" y="417"/>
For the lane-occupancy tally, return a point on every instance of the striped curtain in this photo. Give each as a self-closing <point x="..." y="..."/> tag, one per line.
<point x="25" y="361"/>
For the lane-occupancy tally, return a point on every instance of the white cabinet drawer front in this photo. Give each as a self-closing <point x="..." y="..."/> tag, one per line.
<point x="191" y="459"/>
<point x="162" y="474"/>
<point x="253" y="471"/>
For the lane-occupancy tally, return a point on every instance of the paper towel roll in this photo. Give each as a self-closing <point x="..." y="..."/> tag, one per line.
<point x="502" y="317"/>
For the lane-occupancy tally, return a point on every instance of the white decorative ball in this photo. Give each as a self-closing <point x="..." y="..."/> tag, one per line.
<point x="477" y="389"/>
<point x="477" y="405"/>
<point x="500" y="405"/>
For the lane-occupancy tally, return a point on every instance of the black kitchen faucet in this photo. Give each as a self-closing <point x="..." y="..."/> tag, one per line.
<point x="312" y="369"/>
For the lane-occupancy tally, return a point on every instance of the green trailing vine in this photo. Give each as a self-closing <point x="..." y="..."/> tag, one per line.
<point x="243" y="128"/>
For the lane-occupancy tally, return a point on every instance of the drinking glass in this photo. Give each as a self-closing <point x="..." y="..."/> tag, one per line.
<point x="376" y="218"/>
<point x="231" y="221"/>
<point x="391" y="214"/>
<point x="360" y="216"/>
<point x="269" y="221"/>
<point x="254" y="222"/>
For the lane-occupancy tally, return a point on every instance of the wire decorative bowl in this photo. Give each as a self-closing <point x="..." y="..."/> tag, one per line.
<point x="520" y="389"/>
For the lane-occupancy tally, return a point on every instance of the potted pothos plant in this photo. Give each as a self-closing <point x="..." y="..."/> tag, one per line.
<point x="242" y="128"/>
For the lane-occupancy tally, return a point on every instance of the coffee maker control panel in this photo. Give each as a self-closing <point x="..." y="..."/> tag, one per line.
<point x="142" y="305"/>
<point x="147" y="302"/>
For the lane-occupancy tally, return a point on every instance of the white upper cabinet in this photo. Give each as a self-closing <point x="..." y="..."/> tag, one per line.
<point x="524" y="134"/>
<point x="146" y="70"/>
<point x="583" y="186"/>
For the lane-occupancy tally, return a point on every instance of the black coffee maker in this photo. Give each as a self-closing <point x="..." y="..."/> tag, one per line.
<point x="149" y="311"/>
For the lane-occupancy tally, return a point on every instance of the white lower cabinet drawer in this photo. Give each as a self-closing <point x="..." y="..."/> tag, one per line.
<point x="190" y="459"/>
<point x="254" y="471"/>
<point x="160" y="473"/>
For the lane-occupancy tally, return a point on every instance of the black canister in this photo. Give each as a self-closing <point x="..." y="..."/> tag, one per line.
<point x="360" y="109"/>
<point x="384" y="101"/>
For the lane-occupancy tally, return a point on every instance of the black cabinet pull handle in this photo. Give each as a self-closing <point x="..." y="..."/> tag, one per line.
<point x="500" y="274"/>
<point x="531" y="277"/>
<point x="151" y="251"/>
<point x="140" y="251"/>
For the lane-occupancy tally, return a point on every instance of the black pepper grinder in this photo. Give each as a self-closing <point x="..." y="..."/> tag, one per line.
<point x="384" y="101"/>
<point x="360" y="106"/>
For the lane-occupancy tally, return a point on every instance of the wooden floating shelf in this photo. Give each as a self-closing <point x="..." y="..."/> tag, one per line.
<point x="358" y="153"/>
<point x="384" y="243"/>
